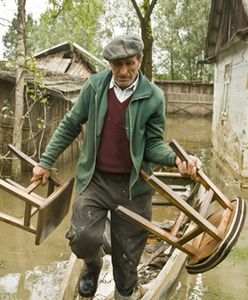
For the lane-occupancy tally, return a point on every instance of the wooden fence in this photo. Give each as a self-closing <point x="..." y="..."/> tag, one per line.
<point x="188" y="98"/>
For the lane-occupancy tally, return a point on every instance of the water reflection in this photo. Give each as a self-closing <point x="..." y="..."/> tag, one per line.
<point x="28" y="272"/>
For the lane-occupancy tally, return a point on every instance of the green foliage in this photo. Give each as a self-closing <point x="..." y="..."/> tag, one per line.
<point x="69" y="21"/>
<point x="179" y="29"/>
<point x="36" y="90"/>
<point x="10" y="37"/>
<point x="118" y="17"/>
<point x="63" y="21"/>
<point x="180" y="33"/>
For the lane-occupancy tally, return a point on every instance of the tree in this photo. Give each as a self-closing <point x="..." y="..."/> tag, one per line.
<point x="173" y="31"/>
<point x="70" y="21"/>
<point x="20" y="82"/>
<point x="10" y="37"/>
<point x="180" y="32"/>
<point x="63" y="21"/>
<point x="146" y="32"/>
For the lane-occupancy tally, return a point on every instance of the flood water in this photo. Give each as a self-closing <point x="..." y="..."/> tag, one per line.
<point x="29" y="272"/>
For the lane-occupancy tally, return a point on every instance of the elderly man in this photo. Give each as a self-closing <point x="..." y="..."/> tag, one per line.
<point x="125" y="114"/>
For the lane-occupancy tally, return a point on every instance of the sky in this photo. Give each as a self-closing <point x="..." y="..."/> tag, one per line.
<point x="9" y="7"/>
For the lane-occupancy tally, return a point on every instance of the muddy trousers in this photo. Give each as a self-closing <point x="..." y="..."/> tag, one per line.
<point x="105" y="192"/>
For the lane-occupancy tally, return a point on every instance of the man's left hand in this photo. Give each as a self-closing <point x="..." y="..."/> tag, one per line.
<point x="189" y="169"/>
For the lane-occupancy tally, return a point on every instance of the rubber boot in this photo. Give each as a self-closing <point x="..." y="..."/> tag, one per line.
<point x="87" y="285"/>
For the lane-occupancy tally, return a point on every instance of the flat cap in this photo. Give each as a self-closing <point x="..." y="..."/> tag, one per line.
<point x="122" y="47"/>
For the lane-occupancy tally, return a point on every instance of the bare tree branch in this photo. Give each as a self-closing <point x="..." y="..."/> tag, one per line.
<point x="136" y="7"/>
<point x="5" y="20"/>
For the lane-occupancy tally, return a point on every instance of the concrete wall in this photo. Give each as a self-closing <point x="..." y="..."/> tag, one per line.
<point x="188" y="98"/>
<point x="230" y="116"/>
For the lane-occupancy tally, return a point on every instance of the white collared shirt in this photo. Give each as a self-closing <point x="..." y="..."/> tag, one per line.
<point x="123" y="95"/>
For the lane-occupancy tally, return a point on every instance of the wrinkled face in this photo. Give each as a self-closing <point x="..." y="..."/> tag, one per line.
<point x="125" y="70"/>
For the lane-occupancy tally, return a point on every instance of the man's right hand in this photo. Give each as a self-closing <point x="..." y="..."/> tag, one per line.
<point x="40" y="173"/>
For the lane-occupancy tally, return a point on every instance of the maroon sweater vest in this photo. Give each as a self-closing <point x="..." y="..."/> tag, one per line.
<point x="114" y="151"/>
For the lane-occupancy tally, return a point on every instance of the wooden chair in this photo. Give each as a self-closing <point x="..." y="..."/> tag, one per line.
<point x="213" y="234"/>
<point x="46" y="213"/>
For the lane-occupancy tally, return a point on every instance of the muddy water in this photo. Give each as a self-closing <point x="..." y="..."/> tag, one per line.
<point x="29" y="272"/>
<point x="229" y="280"/>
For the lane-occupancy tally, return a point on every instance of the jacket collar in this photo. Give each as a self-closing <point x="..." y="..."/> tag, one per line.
<point x="143" y="90"/>
<point x="101" y="81"/>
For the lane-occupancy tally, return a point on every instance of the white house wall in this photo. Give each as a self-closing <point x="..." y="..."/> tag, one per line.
<point x="230" y="113"/>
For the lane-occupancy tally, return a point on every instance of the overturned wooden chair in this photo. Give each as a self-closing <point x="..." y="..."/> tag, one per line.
<point x="41" y="214"/>
<point x="216" y="221"/>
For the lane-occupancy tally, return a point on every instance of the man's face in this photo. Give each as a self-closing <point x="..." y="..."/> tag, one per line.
<point x="125" y="70"/>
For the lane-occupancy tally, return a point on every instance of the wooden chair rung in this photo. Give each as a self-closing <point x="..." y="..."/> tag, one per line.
<point x="27" y="214"/>
<point x="165" y="191"/>
<point x="33" y="186"/>
<point x="177" y="224"/>
<point x="20" y="193"/>
<point x="26" y="190"/>
<point x="190" y="235"/>
<point x="207" y="199"/>
<point x="16" y="222"/>
<point x="150" y="227"/>
<point x="206" y="182"/>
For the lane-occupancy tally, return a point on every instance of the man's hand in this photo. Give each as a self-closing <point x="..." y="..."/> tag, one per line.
<point x="189" y="169"/>
<point x="40" y="173"/>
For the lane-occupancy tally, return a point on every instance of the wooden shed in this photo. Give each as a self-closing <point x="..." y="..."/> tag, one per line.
<point x="227" y="48"/>
<point x="69" y="58"/>
<point x="66" y="67"/>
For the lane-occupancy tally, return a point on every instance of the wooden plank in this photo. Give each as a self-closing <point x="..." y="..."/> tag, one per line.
<point x="68" y="287"/>
<point x="167" y="276"/>
<point x="152" y="257"/>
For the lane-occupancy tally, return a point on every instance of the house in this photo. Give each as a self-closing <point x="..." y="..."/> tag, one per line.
<point x="227" y="48"/>
<point x="65" y="68"/>
<point x="69" y="58"/>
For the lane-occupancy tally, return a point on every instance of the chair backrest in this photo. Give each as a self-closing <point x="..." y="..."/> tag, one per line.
<point x="41" y="214"/>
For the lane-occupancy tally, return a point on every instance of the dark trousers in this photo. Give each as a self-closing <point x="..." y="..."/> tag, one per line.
<point x="105" y="192"/>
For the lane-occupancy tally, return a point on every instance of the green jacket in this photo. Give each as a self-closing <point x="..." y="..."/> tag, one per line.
<point x="145" y="117"/>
